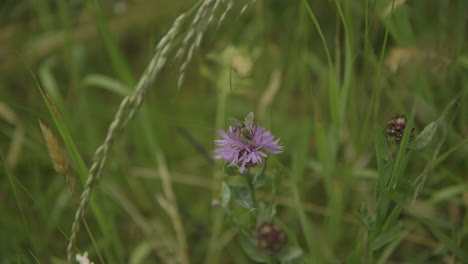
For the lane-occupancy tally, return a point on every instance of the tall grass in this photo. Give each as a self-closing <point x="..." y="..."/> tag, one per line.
<point x="324" y="76"/>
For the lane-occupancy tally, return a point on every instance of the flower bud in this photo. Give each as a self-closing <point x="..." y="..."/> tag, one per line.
<point x="270" y="238"/>
<point x="396" y="128"/>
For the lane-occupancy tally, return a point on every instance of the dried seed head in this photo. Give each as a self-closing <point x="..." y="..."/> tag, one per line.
<point x="270" y="238"/>
<point x="396" y="128"/>
<point x="56" y="154"/>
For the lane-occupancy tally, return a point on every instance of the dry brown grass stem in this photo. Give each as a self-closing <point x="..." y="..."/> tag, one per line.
<point x="392" y="6"/>
<point x="16" y="144"/>
<point x="155" y="232"/>
<point x="169" y="204"/>
<point x="131" y="104"/>
<point x="399" y="57"/>
<point x="127" y="110"/>
<point x="270" y="93"/>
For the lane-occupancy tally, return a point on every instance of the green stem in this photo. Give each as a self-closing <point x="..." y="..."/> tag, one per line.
<point x="273" y="260"/>
<point x="248" y="178"/>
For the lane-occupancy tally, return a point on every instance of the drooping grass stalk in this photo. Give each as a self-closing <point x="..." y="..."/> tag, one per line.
<point x="131" y="104"/>
<point x="170" y="205"/>
<point x="127" y="110"/>
<point x="217" y="215"/>
<point x="71" y="147"/>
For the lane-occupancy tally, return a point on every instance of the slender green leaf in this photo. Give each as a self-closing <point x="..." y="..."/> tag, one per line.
<point x="265" y="213"/>
<point x="225" y="195"/>
<point x="107" y="83"/>
<point x="290" y="254"/>
<point x="140" y="253"/>
<point x="450" y="244"/>
<point x="230" y="170"/>
<point x="260" y="178"/>
<point x="386" y="237"/>
<point x="387" y="252"/>
<point x="448" y="193"/>
<point x="246" y="241"/>
<point x="277" y="179"/>
<point x="425" y="137"/>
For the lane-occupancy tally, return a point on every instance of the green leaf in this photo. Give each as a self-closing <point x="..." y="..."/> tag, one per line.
<point x="107" y="83"/>
<point x="425" y="137"/>
<point x="140" y="253"/>
<point x="290" y="254"/>
<point x="242" y="196"/>
<point x="386" y="237"/>
<point x="260" y="179"/>
<point x="246" y="241"/>
<point x="278" y="178"/>
<point x="391" y="219"/>
<point x="225" y="195"/>
<point x="388" y="251"/>
<point x="361" y="215"/>
<point x="264" y="213"/>
<point x="231" y="171"/>
<point x="48" y="80"/>
<point x="450" y="244"/>
<point x="448" y="193"/>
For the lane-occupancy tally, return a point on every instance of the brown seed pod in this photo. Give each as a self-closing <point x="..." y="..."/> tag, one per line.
<point x="270" y="238"/>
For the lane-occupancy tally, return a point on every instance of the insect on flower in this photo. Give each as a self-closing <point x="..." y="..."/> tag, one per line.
<point x="243" y="128"/>
<point x="245" y="143"/>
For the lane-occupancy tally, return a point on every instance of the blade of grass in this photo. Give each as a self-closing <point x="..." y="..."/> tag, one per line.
<point x="450" y="244"/>
<point x="333" y="85"/>
<point x="306" y="226"/>
<point x="11" y="180"/>
<point x="106" y="225"/>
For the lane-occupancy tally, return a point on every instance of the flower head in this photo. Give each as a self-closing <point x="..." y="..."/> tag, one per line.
<point x="245" y="143"/>
<point x="270" y="238"/>
<point x="396" y="128"/>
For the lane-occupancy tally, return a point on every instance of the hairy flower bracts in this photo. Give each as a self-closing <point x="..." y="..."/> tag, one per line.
<point x="269" y="238"/>
<point x="396" y="128"/>
<point x="245" y="144"/>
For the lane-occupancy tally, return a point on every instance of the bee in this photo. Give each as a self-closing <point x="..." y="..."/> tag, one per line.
<point x="243" y="127"/>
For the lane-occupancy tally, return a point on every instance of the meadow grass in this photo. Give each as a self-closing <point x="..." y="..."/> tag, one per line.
<point x="124" y="100"/>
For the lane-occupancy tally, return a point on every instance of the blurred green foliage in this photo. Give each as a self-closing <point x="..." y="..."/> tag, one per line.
<point x="324" y="76"/>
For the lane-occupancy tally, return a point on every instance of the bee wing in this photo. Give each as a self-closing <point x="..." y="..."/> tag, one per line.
<point x="234" y="122"/>
<point x="250" y="117"/>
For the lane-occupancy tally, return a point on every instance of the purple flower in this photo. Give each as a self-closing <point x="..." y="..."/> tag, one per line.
<point x="244" y="144"/>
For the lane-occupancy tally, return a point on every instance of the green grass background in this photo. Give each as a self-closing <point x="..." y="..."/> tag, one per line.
<point x="343" y="70"/>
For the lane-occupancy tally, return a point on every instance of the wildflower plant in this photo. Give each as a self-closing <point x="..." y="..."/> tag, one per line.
<point x="243" y="147"/>
<point x="393" y="189"/>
